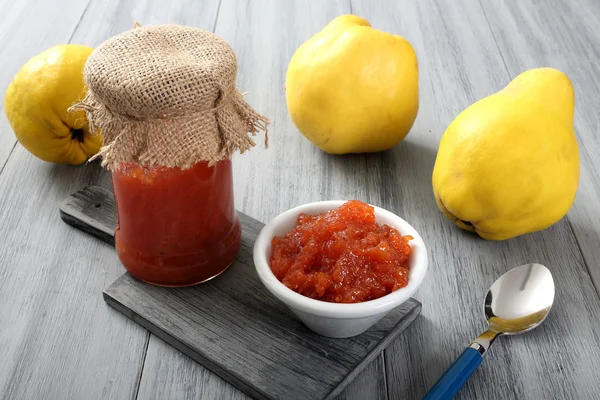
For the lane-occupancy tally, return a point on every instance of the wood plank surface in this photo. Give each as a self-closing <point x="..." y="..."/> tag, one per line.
<point x="562" y="35"/>
<point x="460" y="63"/>
<point x="63" y="342"/>
<point x="170" y="374"/>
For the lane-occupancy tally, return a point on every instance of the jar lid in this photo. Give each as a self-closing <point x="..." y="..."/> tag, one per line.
<point x="165" y="95"/>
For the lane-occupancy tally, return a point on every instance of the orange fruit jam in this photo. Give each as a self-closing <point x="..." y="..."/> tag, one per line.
<point x="342" y="256"/>
<point x="176" y="227"/>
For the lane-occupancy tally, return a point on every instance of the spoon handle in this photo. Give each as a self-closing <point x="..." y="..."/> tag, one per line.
<point x="456" y="376"/>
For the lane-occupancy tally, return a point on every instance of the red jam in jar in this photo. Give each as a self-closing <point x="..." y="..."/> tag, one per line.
<point x="342" y="256"/>
<point x="176" y="227"/>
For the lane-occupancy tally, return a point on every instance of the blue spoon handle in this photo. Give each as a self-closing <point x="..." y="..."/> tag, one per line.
<point x="456" y="376"/>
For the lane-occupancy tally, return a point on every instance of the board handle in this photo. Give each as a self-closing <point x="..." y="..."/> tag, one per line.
<point x="93" y="211"/>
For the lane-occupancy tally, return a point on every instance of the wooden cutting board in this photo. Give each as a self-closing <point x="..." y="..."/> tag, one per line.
<point x="232" y="325"/>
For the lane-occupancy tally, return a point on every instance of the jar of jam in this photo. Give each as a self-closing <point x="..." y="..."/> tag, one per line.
<point x="164" y="100"/>
<point x="176" y="227"/>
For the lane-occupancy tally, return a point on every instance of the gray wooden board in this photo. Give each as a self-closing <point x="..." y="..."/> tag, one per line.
<point x="233" y="326"/>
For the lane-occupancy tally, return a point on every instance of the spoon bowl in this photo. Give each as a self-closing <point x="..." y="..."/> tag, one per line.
<point x="517" y="302"/>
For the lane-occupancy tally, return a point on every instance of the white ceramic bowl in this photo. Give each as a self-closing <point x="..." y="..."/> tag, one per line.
<point x="335" y="319"/>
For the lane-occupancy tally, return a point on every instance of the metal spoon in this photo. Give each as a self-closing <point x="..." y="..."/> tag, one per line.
<point x="517" y="302"/>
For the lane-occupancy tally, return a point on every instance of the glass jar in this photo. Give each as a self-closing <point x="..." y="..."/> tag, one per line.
<point x="176" y="227"/>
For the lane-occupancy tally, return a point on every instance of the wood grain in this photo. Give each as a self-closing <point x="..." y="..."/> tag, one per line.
<point x="51" y="275"/>
<point x="247" y="334"/>
<point x="170" y="374"/>
<point x="93" y="211"/>
<point x="460" y="63"/>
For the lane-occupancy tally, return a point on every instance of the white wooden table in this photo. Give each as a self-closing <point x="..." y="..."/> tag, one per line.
<point x="59" y="340"/>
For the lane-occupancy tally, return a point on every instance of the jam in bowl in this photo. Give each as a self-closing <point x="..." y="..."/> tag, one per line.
<point x="340" y="266"/>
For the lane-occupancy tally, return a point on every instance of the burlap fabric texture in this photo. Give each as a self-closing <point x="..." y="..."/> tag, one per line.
<point x="165" y="95"/>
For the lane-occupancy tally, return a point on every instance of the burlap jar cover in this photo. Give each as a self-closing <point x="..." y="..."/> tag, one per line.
<point x="165" y="95"/>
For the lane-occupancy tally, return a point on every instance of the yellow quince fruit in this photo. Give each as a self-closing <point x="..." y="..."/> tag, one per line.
<point x="352" y="88"/>
<point x="37" y="103"/>
<point x="509" y="164"/>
